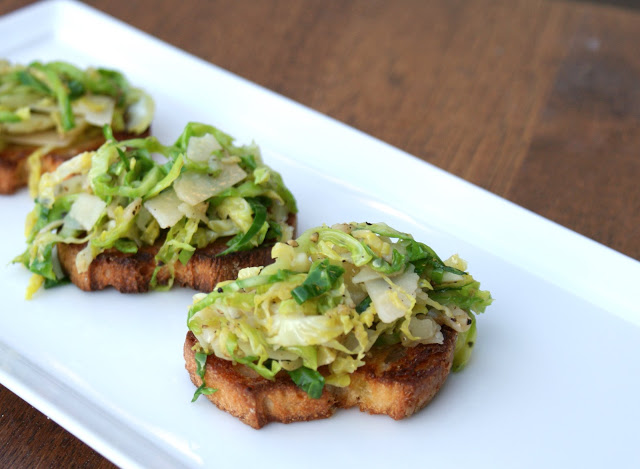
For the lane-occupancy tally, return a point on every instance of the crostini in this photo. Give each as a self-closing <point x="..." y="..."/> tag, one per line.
<point x="50" y="112"/>
<point x="118" y="217"/>
<point x="356" y="314"/>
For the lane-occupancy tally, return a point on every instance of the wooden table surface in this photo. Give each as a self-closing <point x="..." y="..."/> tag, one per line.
<point x="536" y="101"/>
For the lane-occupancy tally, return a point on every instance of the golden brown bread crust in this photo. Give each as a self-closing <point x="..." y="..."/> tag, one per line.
<point x="14" y="172"/>
<point x="131" y="273"/>
<point x="253" y="399"/>
<point x="396" y="381"/>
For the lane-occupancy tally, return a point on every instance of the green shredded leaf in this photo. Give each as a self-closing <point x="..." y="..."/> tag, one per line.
<point x="202" y="390"/>
<point x="465" y="342"/>
<point x="29" y="80"/>
<point x="252" y="362"/>
<point x="310" y="381"/>
<point x="469" y="297"/>
<point x="322" y="278"/>
<point x="259" y="219"/>
<point x="275" y="231"/>
<point x="363" y="305"/>
<point x="107" y="132"/>
<point x="360" y="254"/>
<point x="126" y="245"/>
<point x="249" y="161"/>
<point x="7" y="116"/>
<point x="57" y="87"/>
<point x="166" y="181"/>
<point x="48" y="283"/>
<point x="397" y="263"/>
<point x="201" y="362"/>
<point x="185" y="255"/>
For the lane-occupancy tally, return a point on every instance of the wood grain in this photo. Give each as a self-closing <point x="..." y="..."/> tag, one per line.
<point x="28" y="439"/>
<point x="536" y="101"/>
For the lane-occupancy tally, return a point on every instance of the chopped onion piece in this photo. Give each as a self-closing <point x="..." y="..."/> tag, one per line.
<point x="79" y="164"/>
<point x="200" y="149"/>
<point x="164" y="208"/>
<point x="86" y="210"/>
<point x="426" y="330"/>
<point x="140" y="113"/>
<point x="392" y="300"/>
<point x="198" y="212"/>
<point x="97" y="110"/>
<point x="143" y="219"/>
<point x="366" y="273"/>
<point x="194" y="188"/>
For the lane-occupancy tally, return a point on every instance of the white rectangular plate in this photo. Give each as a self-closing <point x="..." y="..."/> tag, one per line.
<point x="555" y="374"/>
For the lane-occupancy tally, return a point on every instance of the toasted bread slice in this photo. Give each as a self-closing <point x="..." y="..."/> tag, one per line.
<point x="14" y="171"/>
<point x="395" y="380"/>
<point x="131" y="273"/>
<point x="253" y="399"/>
<point x="398" y="381"/>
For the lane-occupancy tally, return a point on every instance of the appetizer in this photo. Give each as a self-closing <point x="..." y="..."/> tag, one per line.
<point x="50" y="112"/>
<point x="118" y="217"/>
<point x="358" y="314"/>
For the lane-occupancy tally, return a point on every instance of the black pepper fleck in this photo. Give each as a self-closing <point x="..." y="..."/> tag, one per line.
<point x="468" y="321"/>
<point x="220" y="290"/>
<point x="470" y="344"/>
